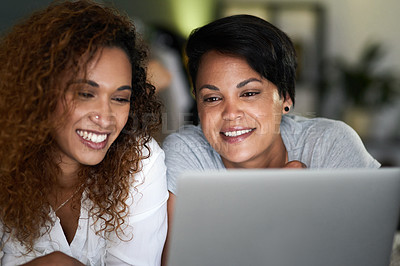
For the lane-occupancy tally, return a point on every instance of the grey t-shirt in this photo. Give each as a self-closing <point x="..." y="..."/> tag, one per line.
<point x="316" y="142"/>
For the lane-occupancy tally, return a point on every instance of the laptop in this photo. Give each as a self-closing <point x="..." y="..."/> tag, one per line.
<point x="285" y="217"/>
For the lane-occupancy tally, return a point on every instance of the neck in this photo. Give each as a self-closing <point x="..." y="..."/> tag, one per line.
<point x="67" y="182"/>
<point x="69" y="173"/>
<point x="64" y="190"/>
<point x="68" y="178"/>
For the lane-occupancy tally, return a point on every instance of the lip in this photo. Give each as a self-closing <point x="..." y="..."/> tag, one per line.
<point x="237" y="134"/>
<point x="91" y="144"/>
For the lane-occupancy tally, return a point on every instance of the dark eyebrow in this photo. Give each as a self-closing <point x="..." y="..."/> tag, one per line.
<point x="94" y="84"/>
<point x="208" y="86"/>
<point x="239" y="85"/>
<point x="245" y="82"/>
<point x="89" y="82"/>
<point x="126" y="87"/>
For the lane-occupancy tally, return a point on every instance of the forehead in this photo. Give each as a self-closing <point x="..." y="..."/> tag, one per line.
<point x="215" y="57"/>
<point x="219" y="67"/>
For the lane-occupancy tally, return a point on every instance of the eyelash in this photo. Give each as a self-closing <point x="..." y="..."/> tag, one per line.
<point x="122" y="100"/>
<point x="211" y="99"/>
<point x="85" y="94"/>
<point x="246" y="94"/>
<point x="250" y="93"/>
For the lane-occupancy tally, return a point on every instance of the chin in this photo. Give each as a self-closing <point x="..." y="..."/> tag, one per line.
<point x="92" y="161"/>
<point x="237" y="159"/>
<point x="239" y="155"/>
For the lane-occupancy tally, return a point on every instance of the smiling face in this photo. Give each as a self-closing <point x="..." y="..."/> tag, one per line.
<point x="240" y="112"/>
<point x="98" y="109"/>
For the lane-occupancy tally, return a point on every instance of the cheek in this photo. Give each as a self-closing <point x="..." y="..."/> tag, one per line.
<point x="59" y="113"/>
<point x="210" y="127"/>
<point x="272" y="119"/>
<point x="207" y="117"/>
<point x="122" y="118"/>
<point x="203" y="115"/>
<point x="63" y="118"/>
<point x="207" y="112"/>
<point x="265" y="115"/>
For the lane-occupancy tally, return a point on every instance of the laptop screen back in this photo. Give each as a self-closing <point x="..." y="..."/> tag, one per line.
<point x="286" y="217"/>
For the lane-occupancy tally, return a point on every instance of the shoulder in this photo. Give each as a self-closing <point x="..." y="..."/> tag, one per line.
<point x="187" y="134"/>
<point x="152" y="167"/>
<point x="151" y="150"/>
<point x="188" y="139"/>
<point x="302" y="127"/>
<point x="186" y="150"/>
<point x="322" y="142"/>
<point x="150" y="184"/>
<point x="295" y="122"/>
<point x="154" y="156"/>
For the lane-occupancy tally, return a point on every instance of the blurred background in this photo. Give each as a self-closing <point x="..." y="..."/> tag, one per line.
<point x="348" y="50"/>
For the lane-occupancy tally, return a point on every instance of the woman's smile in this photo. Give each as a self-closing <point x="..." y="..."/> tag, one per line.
<point x="235" y="135"/>
<point x="94" y="140"/>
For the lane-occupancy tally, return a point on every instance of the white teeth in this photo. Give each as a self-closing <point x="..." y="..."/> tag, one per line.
<point x="96" y="138"/>
<point x="236" y="133"/>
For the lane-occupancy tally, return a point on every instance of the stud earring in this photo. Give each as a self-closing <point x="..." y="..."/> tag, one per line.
<point x="97" y="117"/>
<point x="286" y="108"/>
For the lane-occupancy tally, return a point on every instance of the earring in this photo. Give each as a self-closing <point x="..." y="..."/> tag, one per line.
<point x="97" y="117"/>
<point x="286" y="108"/>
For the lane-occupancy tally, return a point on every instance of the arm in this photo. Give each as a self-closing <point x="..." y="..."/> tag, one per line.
<point x="54" y="259"/>
<point x="171" y="208"/>
<point x="145" y="233"/>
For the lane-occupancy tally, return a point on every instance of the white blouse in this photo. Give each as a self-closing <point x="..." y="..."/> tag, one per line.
<point x="145" y="231"/>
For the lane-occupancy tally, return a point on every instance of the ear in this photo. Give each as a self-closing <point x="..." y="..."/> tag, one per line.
<point x="287" y="104"/>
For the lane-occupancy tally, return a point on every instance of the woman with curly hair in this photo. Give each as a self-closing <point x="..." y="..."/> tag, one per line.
<point x="82" y="180"/>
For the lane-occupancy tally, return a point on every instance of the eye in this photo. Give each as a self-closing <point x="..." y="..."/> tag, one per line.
<point x="122" y="99"/>
<point x="85" y="95"/>
<point x="211" y="99"/>
<point x="250" y="93"/>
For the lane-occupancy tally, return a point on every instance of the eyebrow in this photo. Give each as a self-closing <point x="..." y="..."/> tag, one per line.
<point x="94" y="84"/>
<point x="245" y="82"/>
<point x="126" y="87"/>
<point x="239" y="85"/>
<point x="210" y="87"/>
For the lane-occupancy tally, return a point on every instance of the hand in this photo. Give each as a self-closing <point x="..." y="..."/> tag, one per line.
<point x="295" y="164"/>
<point x="54" y="259"/>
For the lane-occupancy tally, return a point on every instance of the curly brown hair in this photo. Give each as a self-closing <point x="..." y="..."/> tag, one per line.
<point x="34" y="56"/>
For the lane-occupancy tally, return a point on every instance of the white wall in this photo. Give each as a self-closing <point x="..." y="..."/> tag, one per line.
<point x="351" y="23"/>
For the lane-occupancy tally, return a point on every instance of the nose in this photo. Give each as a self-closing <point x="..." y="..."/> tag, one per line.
<point x="232" y="110"/>
<point x="103" y="115"/>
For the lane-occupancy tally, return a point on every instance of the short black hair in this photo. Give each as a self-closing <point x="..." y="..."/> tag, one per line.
<point x="267" y="49"/>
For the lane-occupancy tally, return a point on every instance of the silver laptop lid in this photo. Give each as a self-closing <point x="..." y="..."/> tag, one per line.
<point x="286" y="217"/>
